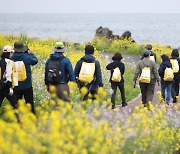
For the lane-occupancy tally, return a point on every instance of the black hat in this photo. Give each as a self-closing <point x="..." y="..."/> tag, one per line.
<point x="20" y="47"/>
<point x="146" y="53"/>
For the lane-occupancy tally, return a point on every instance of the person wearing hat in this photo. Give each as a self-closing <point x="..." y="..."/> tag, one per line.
<point x="147" y="89"/>
<point x="114" y="85"/>
<point x="61" y="67"/>
<point x="97" y="81"/>
<point x="6" y="70"/>
<point x="24" y="88"/>
<point x="152" y="54"/>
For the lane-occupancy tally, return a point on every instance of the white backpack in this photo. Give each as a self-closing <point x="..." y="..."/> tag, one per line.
<point x="116" y="76"/>
<point x="168" y="74"/>
<point x="175" y="65"/>
<point x="145" y="75"/>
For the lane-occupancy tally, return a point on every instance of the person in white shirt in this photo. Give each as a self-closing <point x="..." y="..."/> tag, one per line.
<point x="6" y="71"/>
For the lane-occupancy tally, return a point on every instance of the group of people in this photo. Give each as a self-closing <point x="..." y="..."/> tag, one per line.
<point x="87" y="73"/>
<point x="169" y="84"/>
<point x="24" y="88"/>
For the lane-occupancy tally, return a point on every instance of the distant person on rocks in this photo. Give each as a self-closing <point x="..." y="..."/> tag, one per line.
<point x="58" y="72"/>
<point x="165" y="84"/>
<point x="146" y="71"/>
<point x="152" y="54"/>
<point x="118" y="66"/>
<point x="88" y="73"/>
<point x="23" y="57"/>
<point x="6" y="71"/>
<point x="175" y="60"/>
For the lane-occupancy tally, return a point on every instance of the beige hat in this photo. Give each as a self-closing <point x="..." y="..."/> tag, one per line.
<point x="8" y="48"/>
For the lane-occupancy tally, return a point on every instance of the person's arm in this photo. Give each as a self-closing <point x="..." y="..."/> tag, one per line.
<point x="109" y="66"/>
<point x="137" y="72"/>
<point x="77" y="69"/>
<point x="122" y="69"/>
<point x="70" y="70"/>
<point x="45" y="74"/>
<point x="8" y="74"/>
<point x="161" y="71"/>
<point x="98" y="74"/>
<point x="156" y="74"/>
<point x="31" y="59"/>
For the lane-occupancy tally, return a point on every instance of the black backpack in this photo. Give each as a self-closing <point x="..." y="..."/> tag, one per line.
<point x="53" y="71"/>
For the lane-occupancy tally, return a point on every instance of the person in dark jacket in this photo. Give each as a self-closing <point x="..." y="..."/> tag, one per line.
<point x="147" y="89"/>
<point x="165" y="85"/>
<point x="114" y="85"/>
<point x="97" y="82"/>
<point x="149" y="48"/>
<point x="65" y="67"/>
<point x="24" y="88"/>
<point x="175" y="85"/>
<point x="6" y="66"/>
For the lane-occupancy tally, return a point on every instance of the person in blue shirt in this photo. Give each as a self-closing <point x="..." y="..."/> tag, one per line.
<point x="65" y="69"/>
<point x="24" y="88"/>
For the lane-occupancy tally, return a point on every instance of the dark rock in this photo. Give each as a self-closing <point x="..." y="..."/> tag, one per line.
<point x="104" y="32"/>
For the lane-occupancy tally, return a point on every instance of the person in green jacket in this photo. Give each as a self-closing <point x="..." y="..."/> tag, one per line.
<point x="147" y="89"/>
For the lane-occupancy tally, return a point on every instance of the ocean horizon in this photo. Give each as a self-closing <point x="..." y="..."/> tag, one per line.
<point x="163" y="29"/>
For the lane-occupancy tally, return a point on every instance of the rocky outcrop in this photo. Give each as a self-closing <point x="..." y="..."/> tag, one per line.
<point x="106" y="32"/>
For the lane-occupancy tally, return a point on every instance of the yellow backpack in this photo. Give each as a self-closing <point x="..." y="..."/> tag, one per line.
<point x="87" y="72"/>
<point x="175" y="65"/>
<point x="20" y="70"/>
<point x="152" y="58"/>
<point x="145" y="75"/>
<point x="168" y="74"/>
<point x="116" y="76"/>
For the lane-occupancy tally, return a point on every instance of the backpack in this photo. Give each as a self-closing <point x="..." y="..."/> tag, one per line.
<point x="87" y="72"/>
<point x="116" y="76"/>
<point x="20" y="70"/>
<point x="53" y="71"/>
<point x="168" y="74"/>
<point x="152" y="58"/>
<point x="145" y="75"/>
<point x="175" y="65"/>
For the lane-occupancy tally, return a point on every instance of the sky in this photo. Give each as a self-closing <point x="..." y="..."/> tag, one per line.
<point x="89" y="6"/>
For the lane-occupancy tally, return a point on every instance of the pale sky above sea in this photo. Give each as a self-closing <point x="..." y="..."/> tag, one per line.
<point x="89" y="6"/>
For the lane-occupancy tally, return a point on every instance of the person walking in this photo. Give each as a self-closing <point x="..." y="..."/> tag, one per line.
<point x="165" y="84"/>
<point x="58" y="72"/>
<point x="152" y="54"/>
<point x="88" y="72"/>
<point x="117" y="64"/>
<point x="6" y="69"/>
<point x="175" y="84"/>
<point x="147" y="88"/>
<point x="24" y="88"/>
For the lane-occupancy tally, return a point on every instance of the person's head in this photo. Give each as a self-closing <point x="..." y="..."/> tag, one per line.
<point x="7" y="52"/>
<point x="165" y="58"/>
<point x="19" y="46"/>
<point x="148" y="47"/>
<point x="146" y="53"/>
<point x="59" y="47"/>
<point x="175" y="53"/>
<point x="117" y="56"/>
<point x="89" y="49"/>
